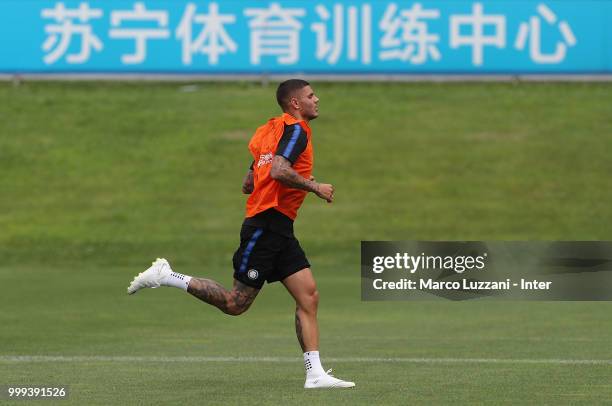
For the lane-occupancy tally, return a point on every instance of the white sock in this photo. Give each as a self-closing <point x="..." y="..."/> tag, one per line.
<point x="177" y="280"/>
<point x="312" y="363"/>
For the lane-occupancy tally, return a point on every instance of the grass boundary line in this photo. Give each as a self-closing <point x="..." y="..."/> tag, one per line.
<point x="178" y="359"/>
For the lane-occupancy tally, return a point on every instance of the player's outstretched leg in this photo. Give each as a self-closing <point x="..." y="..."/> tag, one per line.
<point x="232" y="302"/>
<point x="303" y="288"/>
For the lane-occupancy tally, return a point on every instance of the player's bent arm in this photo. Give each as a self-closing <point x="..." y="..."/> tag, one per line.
<point x="248" y="183"/>
<point x="282" y="171"/>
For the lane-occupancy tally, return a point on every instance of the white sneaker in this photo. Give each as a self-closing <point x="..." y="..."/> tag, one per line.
<point x="152" y="277"/>
<point x="327" y="381"/>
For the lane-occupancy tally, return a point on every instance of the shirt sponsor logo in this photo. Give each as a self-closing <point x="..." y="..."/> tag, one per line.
<point x="265" y="159"/>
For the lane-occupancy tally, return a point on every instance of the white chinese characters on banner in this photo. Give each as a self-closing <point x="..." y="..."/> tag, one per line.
<point x="69" y="24"/>
<point x="140" y="35"/>
<point x="533" y="30"/>
<point x="477" y="38"/>
<point x="213" y="39"/>
<point x="330" y="41"/>
<point x="275" y="31"/>
<point x="339" y="33"/>
<point x="406" y="35"/>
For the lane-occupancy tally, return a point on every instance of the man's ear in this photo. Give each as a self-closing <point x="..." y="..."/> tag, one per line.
<point x="294" y="103"/>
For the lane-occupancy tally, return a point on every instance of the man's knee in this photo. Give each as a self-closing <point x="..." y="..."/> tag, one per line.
<point x="309" y="302"/>
<point x="240" y="299"/>
<point x="303" y="288"/>
<point x="236" y="309"/>
<point x="314" y="299"/>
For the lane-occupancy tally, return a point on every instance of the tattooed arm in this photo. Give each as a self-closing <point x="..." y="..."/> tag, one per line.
<point x="247" y="183"/>
<point x="283" y="172"/>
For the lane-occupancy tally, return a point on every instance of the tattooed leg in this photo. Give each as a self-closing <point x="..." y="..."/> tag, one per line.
<point x="298" y="330"/>
<point x="302" y="287"/>
<point x="233" y="302"/>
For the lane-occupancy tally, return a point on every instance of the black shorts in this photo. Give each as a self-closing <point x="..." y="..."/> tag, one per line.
<point x="264" y="255"/>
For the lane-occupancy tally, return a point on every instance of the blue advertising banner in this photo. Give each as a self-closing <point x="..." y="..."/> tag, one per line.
<point x="333" y="37"/>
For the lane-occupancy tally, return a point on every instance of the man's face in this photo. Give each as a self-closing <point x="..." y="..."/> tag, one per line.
<point x="307" y="103"/>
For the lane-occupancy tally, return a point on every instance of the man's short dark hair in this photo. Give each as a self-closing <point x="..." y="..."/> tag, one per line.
<point x="286" y="89"/>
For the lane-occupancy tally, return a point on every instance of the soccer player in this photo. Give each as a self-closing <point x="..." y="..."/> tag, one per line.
<point x="278" y="181"/>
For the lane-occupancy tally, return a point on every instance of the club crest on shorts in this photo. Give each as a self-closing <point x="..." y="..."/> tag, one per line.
<point x="252" y="274"/>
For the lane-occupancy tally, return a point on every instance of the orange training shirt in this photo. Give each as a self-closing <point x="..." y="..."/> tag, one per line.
<point x="269" y="193"/>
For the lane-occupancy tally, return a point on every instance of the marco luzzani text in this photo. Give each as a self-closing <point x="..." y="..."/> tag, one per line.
<point x="470" y="267"/>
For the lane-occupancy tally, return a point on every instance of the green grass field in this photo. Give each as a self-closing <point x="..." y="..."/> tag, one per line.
<point x="98" y="179"/>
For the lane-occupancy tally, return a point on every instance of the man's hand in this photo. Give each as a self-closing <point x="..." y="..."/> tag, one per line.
<point x="248" y="183"/>
<point x="325" y="191"/>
